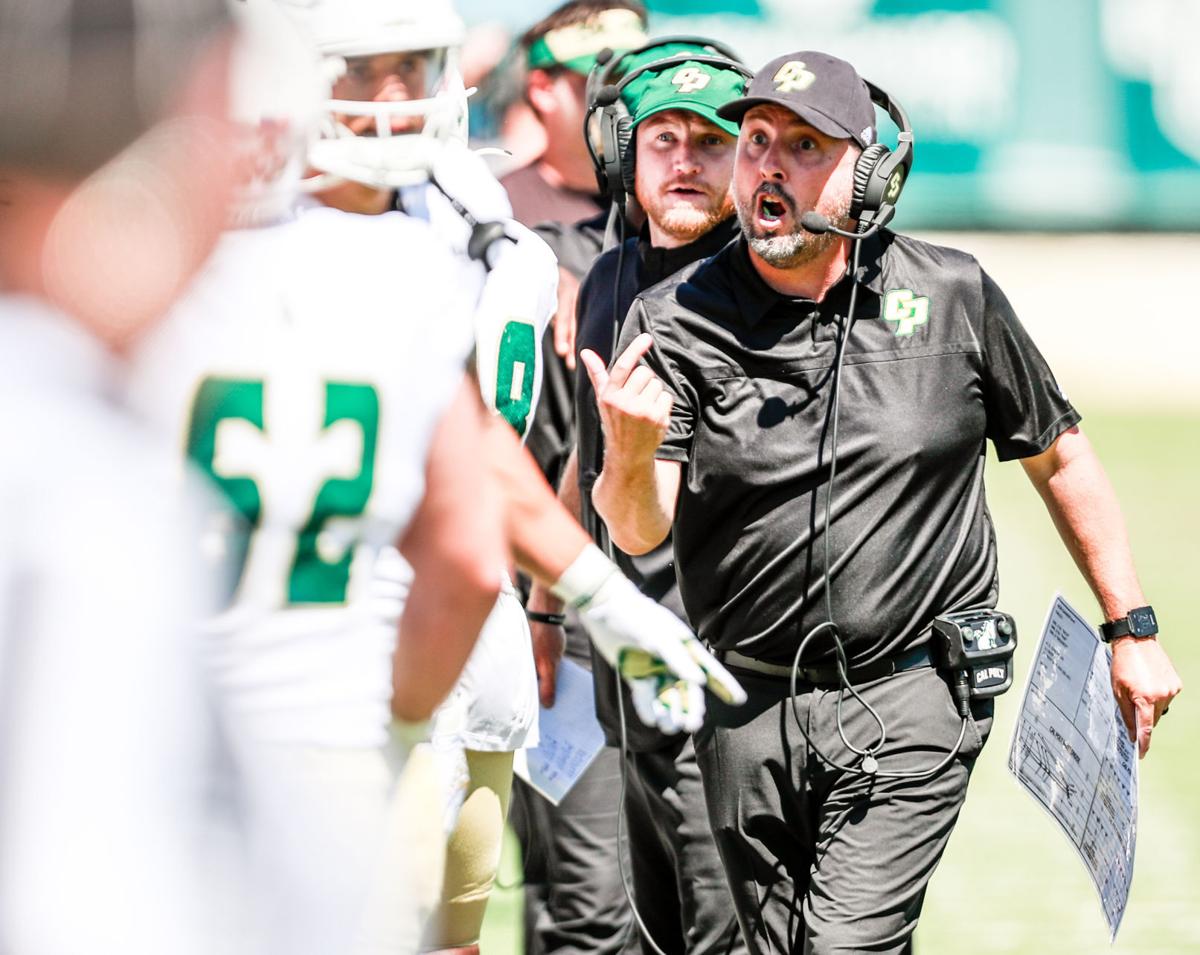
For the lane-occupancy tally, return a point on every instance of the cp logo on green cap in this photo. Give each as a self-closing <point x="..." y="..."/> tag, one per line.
<point x="691" y="79"/>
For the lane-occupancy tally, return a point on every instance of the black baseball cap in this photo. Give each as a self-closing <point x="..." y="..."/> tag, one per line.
<point x="825" y="92"/>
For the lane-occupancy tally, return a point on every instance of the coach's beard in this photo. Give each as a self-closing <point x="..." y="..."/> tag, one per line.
<point x="797" y="246"/>
<point x="686" y="221"/>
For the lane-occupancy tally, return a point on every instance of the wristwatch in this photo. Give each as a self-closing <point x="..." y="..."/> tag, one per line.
<point x="1137" y="623"/>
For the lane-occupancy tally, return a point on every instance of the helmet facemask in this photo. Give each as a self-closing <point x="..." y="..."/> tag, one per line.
<point x="398" y="93"/>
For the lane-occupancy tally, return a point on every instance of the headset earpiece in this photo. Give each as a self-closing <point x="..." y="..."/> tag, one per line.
<point x="887" y="182"/>
<point x="626" y="154"/>
<point x="880" y="173"/>
<point x="614" y="169"/>
<point x="866" y="193"/>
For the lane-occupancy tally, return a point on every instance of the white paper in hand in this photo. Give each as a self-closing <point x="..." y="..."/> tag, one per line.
<point x="569" y="736"/>
<point x="1070" y="750"/>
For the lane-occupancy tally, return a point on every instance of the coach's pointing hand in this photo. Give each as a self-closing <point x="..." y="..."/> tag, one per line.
<point x="634" y="408"/>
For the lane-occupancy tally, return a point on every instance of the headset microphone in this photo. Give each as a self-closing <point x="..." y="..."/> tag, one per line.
<point x="817" y="224"/>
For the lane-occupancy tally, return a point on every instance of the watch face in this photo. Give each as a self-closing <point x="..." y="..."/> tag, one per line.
<point x="1142" y="622"/>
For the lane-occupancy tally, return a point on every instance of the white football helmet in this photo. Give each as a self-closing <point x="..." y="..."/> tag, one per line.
<point x="277" y="96"/>
<point x="401" y="130"/>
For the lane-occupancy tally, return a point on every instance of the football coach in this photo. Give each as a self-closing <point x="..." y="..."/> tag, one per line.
<point x="808" y="413"/>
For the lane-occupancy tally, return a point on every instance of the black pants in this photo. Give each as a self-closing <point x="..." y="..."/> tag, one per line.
<point x="820" y="861"/>
<point x="679" y="885"/>
<point x="574" y="901"/>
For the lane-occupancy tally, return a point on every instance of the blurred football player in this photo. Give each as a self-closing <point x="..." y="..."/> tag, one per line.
<point x="114" y="179"/>
<point x="337" y="425"/>
<point x="399" y="110"/>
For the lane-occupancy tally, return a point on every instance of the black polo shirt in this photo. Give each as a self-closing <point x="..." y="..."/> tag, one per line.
<point x="601" y="298"/>
<point x="936" y="362"/>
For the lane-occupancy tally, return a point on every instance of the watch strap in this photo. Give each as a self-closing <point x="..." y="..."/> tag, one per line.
<point x="1115" y="628"/>
<point x="554" y="619"/>
<point x="1139" y="622"/>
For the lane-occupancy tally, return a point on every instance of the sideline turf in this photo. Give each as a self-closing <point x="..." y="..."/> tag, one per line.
<point x="1010" y="881"/>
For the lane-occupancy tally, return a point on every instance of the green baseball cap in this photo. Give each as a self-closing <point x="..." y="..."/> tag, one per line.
<point x="575" y="47"/>
<point x="702" y="88"/>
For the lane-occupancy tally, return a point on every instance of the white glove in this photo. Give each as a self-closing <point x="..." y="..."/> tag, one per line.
<point x="652" y="649"/>
<point x="465" y="179"/>
<point x="671" y="706"/>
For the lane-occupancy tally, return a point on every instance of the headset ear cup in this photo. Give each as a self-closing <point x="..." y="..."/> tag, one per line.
<point x="626" y="152"/>
<point x="593" y="133"/>
<point x="864" y="199"/>
<point x="609" y="171"/>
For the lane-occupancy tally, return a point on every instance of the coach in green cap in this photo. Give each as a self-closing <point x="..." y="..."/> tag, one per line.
<point x="674" y="162"/>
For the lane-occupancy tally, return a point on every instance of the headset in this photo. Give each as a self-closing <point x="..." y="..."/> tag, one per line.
<point x="879" y="176"/>
<point x="880" y="173"/>
<point x="607" y="125"/>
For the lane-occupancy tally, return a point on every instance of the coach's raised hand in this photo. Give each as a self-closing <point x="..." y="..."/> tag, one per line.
<point x="635" y="493"/>
<point x="634" y="408"/>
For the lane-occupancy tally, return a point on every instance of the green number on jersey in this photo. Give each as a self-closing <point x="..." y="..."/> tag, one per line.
<point x="517" y="366"/>
<point x="217" y="400"/>
<point x="312" y="577"/>
<point x="313" y="580"/>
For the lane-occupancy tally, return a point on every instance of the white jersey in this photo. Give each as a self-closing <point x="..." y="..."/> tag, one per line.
<point x="305" y="372"/>
<point x="494" y="705"/>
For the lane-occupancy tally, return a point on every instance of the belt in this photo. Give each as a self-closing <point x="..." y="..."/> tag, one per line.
<point x="914" y="659"/>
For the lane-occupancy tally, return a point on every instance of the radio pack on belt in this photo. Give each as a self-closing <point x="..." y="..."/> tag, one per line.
<point x="976" y="647"/>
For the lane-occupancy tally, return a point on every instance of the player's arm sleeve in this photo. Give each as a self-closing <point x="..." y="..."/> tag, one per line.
<point x="664" y="359"/>
<point x="516" y="305"/>
<point x="1026" y="409"/>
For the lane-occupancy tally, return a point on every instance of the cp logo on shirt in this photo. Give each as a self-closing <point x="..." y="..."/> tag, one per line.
<point x="903" y="311"/>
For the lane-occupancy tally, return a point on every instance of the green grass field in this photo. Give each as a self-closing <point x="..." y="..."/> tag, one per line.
<point x="1011" y="882"/>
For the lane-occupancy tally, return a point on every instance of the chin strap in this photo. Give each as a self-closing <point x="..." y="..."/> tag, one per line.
<point x="483" y="236"/>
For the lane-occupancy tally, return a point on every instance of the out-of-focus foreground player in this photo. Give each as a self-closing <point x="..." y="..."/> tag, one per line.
<point x="114" y="175"/>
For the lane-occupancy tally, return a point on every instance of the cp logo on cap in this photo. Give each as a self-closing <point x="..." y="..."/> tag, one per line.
<point x="793" y="77"/>
<point x="691" y="80"/>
